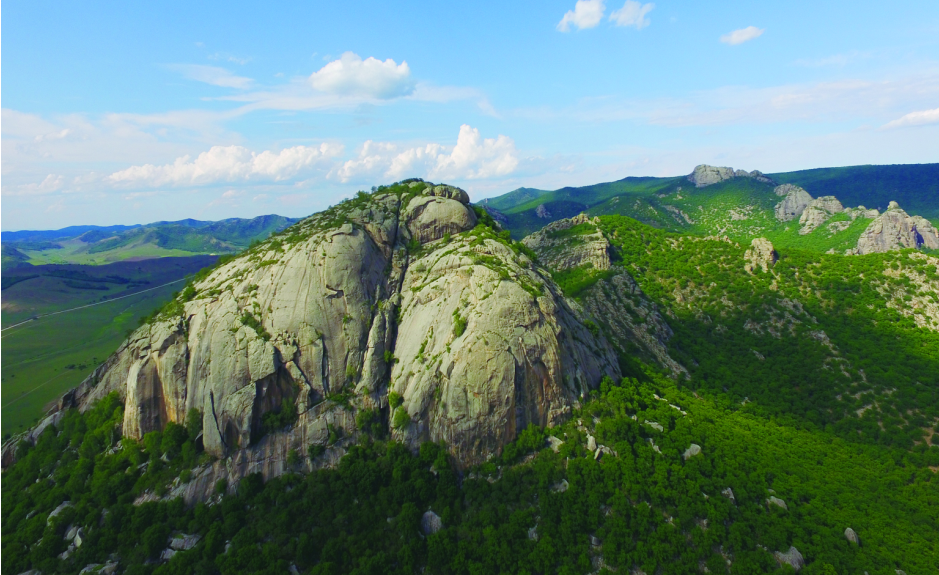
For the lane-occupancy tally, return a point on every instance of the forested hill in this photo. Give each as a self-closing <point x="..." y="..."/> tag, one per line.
<point x="97" y="245"/>
<point x="740" y="207"/>
<point x="394" y="385"/>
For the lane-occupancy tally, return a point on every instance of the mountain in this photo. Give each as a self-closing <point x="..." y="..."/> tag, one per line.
<point x="98" y="245"/>
<point x="742" y="204"/>
<point x="395" y="385"/>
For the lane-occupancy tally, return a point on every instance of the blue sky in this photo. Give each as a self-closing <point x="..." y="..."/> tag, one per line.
<point x="120" y="112"/>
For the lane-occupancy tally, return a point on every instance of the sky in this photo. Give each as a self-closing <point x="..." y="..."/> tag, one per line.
<point x="133" y="112"/>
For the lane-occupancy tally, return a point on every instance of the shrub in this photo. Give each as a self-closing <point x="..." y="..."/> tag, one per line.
<point x="395" y="399"/>
<point x="401" y="418"/>
<point x="459" y="324"/>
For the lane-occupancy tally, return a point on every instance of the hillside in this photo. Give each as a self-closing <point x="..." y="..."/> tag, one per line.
<point x="742" y="206"/>
<point x="394" y="385"/>
<point x="99" y="245"/>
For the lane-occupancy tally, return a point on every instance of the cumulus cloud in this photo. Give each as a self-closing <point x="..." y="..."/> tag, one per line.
<point x="350" y="75"/>
<point x="212" y="75"/>
<point x="742" y="35"/>
<point x="920" y="118"/>
<point x="632" y="14"/>
<point x="51" y="183"/>
<point x="586" y="14"/>
<point x="473" y="157"/>
<point x="227" y="164"/>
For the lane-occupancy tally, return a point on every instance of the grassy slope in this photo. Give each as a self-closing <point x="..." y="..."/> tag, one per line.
<point x="35" y="356"/>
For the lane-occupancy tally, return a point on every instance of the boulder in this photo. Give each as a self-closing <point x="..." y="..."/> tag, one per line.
<point x="591" y="443"/>
<point x="705" y="175"/>
<point x="760" y="255"/>
<point x="430" y="218"/>
<point x="894" y="230"/>
<point x="851" y="536"/>
<point x="61" y="507"/>
<point x="554" y="443"/>
<point x="729" y="494"/>
<point x="184" y="542"/>
<point x="655" y="425"/>
<point x="773" y="500"/>
<point x="430" y="523"/>
<point x="693" y="450"/>
<point x="792" y="557"/>
<point x="449" y="192"/>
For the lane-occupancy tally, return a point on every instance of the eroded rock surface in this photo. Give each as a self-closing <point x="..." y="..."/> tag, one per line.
<point x="760" y="255"/>
<point x="794" y="202"/>
<point x="705" y="175"/>
<point x="895" y="229"/>
<point x="819" y="211"/>
<point x="382" y="292"/>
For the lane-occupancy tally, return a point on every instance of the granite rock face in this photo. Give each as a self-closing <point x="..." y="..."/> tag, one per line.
<point x="792" y="557"/>
<point x="705" y="175"/>
<point x="895" y="229"/>
<point x="557" y="252"/>
<point x="381" y="292"/>
<point x="760" y="255"/>
<point x="794" y="202"/>
<point x="819" y="211"/>
<point x="627" y="318"/>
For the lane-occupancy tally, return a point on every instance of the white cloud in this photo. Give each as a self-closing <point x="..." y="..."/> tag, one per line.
<point x="920" y="118"/>
<point x="742" y="35"/>
<point x="212" y="75"/>
<point x="473" y="157"/>
<point x="632" y="14"/>
<point x="226" y="164"/>
<point x="586" y="14"/>
<point x="372" y="78"/>
<point x="51" y="183"/>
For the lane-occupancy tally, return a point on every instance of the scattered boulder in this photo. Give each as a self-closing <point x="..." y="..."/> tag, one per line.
<point x="554" y="443"/>
<point x="729" y="494"/>
<point x="760" y="254"/>
<point x="695" y="449"/>
<point x="791" y="557"/>
<point x="773" y="500"/>
<point x="184" y="542"/>
<point x="819" y="211"/>
<point x="533" y="533"/>
<point x="431" y="523"/>
<point x="591" y="443"/>
<point x="167" y="554"/>
<point x="654" y="425"/>
<point x="894" y="230"/>
<point x="595" y="541"/>
<point x="795" y="201"/>
<point x="108" y="568"/>
<point x="851" y="536"/>
<point x="561" y="487"/>
<point x="62" y="507"/>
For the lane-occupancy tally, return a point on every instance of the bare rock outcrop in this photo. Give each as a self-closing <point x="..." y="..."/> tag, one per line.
<point x="851" y="536"/>
<point x="705" y="175"/>
<point x="631" y="322"/>
<point x="760" y="255"/>
<point x="895" y="229"/>
<point x="792" y="557"/>
<point x="381" y="292"/>
<point x="819" y="211"/>
<point x="556" y="251"/>
<point x="794" y="202"/>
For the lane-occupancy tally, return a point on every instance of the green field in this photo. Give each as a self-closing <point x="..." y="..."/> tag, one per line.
<point x="42" y="359"/>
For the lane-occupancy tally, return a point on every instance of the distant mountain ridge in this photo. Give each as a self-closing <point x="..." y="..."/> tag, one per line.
<point x="742" y="205"/>
<point x="104" y="244"/>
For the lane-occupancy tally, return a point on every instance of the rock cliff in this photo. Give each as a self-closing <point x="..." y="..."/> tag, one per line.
<point x="614" y="304"/>
<point x="793" y="204"/>
<point x="817" y="212"/>
<point x="705" y="175"/>
<point x="398" y="291"/>
<point x="895" y="229"/>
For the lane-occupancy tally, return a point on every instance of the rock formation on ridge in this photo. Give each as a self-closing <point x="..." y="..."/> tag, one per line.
<point x="395" y="291"/>
<point x="705" y="175"/>
<point x="895" y="229"/>
<point x="793" y="204"/>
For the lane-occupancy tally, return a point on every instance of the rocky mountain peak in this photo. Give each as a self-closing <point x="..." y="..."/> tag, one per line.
<point x="397" y="291"/>
<point x="705" y="175"/>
